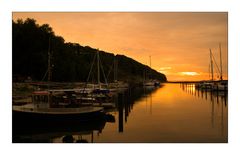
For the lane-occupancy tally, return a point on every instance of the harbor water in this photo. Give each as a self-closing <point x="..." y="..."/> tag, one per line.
<point x="172" y="112"/>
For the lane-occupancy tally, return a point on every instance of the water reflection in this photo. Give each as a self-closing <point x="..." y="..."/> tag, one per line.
<point x="216" y="98"/>
<point x="213" y="96"/>
<point x="127" y="99"/>
<point x="170" y="113"/>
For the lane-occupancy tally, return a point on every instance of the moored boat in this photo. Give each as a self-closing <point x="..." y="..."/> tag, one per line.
<point x="31" y="112"/>
<point x="220" y="86"/>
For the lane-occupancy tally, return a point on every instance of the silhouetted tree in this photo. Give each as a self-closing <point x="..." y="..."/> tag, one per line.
<point x="70" y="61"/>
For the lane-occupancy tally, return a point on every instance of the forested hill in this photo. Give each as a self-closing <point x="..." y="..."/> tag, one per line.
<point x="71" y="62"/>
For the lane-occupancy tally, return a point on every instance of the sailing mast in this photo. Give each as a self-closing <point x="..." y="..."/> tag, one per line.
<point x="220" y="62"/>
<point x="98" y="70"/>
<point x="115" y="63"/>
<point x="49" y="61"/>
<point x="150" y="60"/>
<point x="150" y="66"/>
<point x="211" y="63"/>
<point x="49" y="68"/>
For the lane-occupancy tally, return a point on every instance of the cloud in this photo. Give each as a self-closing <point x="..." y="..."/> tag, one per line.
<point x="189" y="73"/>
<point x="165" y="68"/>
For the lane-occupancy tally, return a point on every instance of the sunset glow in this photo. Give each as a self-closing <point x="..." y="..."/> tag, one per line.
<point x="178" y="43"/>
<point x="190" y="73"/>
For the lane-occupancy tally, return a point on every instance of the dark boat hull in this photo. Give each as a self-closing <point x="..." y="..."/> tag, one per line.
<point x="26" y="118"/>
<point x="44" y="131"/>
<point x="25" y="123"/>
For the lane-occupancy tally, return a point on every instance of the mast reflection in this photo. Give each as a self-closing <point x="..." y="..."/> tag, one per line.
<point x="128" y="98"/>
<point x="219" y="97"/>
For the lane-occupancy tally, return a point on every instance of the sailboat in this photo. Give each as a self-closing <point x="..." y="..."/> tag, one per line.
<point x="99" y="93"/>
<point x="207" y="85"/>
<point x="150" y="82"/>
<point x="98" y="88"/>
<point x="45" y="107"/>
<point x="117" y="85"/>
<point x="221" y="85"/>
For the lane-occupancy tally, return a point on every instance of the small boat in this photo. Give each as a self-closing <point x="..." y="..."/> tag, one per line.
<point x="45" y="132"/>
<point x="56" y="114"/>
<point x="46" y="106"/>
<point x="148" y="82"/>
<point x="44" y="109"/>
<point x="205" y="85"/>
<point x="151" y="83"/>
<point x="220" y="86"/>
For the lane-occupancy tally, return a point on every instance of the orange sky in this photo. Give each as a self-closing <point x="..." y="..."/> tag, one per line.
<point x="177" y="42"/>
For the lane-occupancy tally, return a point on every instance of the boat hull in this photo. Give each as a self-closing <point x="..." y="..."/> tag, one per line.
<point x="28" y="126"/>
<point x="25" y="122"/>
<point x="28" y="116"/>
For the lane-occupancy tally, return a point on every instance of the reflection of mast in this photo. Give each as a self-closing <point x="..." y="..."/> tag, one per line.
<point x="126" y="105"/>
<point x="205" y="95"/>
<point x="192" y="89"/>
<point x="198" y="92"/>
<point x="222" y="120"/>
<point x="225" y="99"/>
<point x="145" y="95"/>
<point x="120" y="113"/>
<point x="212" y="116"/>
<point x="195" y="93"/>
<point x="151" y="103"/>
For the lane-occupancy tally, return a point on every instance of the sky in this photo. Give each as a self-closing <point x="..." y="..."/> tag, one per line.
<point x="178" y="43"/>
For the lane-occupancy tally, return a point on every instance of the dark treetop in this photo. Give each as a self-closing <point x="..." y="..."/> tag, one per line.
<point x="70" y="62"/>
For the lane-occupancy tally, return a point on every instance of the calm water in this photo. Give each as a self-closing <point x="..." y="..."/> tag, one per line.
<point x="171" y="113"/>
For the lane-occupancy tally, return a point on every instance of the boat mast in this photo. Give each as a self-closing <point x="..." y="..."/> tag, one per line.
<point x="150" y="60"/>
<point x="98" y="69"/>
<point x="115" y="63"/>
<point x="150" y="66"/>
<point x="209" y="71"/>
<point x="49" y="60"/>
<point x="49" y="68"/>
<point x="220" y="62"/>
<point x="211" y="63"/>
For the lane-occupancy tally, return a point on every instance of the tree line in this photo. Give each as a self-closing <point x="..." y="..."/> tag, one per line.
<point x="70" y="62"/>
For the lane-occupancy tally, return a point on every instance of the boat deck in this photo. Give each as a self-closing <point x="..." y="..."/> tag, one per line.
<point x="34" y="109"/>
